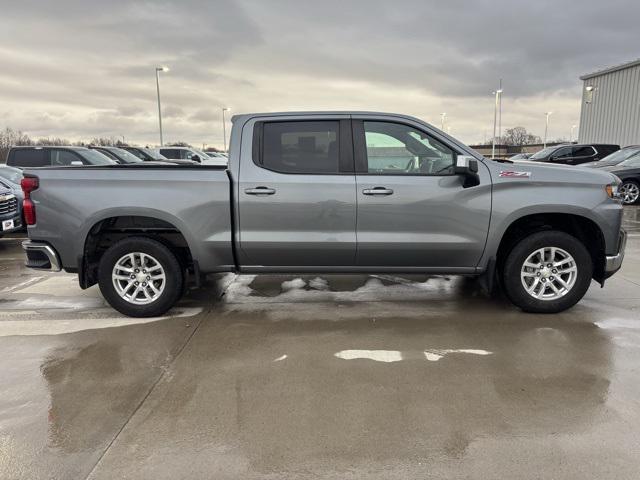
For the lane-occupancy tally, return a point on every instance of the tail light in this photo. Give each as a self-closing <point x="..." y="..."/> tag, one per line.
<point x="29" y="184"/>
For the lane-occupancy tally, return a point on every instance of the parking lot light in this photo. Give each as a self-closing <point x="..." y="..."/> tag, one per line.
<point x="224" y="127"/>
<point x="497" y="93"/>
<point x="546" y="128"/>
<point x="158" y="70"/>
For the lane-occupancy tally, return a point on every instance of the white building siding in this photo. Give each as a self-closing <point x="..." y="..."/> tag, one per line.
<point x="613" y="116"/>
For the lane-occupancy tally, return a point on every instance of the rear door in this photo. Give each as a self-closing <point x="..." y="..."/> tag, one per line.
<point x="296" y="193"/>
<point x="413" y="210"/>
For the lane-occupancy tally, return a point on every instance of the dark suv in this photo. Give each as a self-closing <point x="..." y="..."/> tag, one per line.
<point x="23" y="157"/>
<point x="574" y="154"/>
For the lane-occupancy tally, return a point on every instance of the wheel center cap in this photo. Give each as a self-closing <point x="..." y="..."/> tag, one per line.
<point x="141" y="277"/>
<point x="546" y="272"/>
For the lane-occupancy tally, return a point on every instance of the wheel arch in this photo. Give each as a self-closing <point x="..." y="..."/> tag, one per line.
<point x="583" y="228"/>
<point x="112" y="226"/>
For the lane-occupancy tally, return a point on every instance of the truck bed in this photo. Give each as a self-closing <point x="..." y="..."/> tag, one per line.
<point x="195" y="200"/>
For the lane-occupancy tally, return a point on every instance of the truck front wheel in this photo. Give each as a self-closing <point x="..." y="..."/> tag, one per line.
<point x="140" y="277"/>
<point x="547" y="272"/>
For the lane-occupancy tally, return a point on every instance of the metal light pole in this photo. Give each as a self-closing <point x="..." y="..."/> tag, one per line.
<point x="158" y="70"/>
<point x="573" y="127"/>
<point x="500" y="110"/>
<point x="495" y="118"/>
<point x="443" y="115"/>
<point x="546" y="128"/>
<point x="224" y="127"/>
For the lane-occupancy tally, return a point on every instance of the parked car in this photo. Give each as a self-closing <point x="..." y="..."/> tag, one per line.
<point x="520" y="156"/>
<point x="150" y="155"/>
<point x="10" y="211"/>
<point x="574" y="154"/>
<point x="308" y="193"/>
<point x="616" y="157"/>
<point x="23" y="157"/>
<point x="122" y="156"/>
<point x="10" y="178"/>
<point x="183" y="153"/>
<point x="629" y="173"/>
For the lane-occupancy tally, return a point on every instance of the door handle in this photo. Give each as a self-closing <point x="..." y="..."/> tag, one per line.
<point x="260" y="191"/>
<point x="377" y="191"/>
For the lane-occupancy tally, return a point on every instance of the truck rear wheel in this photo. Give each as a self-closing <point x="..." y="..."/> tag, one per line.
<point x="547" y="272"/>
<point x="140" y="277"/>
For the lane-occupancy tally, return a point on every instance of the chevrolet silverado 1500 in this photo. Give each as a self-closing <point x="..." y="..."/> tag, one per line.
<point x="328" y="192"/>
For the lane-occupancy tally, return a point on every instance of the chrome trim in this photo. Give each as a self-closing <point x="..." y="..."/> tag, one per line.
<point x="47" y="250"/>
<point x="614" y="262"/>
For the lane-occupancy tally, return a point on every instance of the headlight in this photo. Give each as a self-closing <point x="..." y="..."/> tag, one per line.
<point x="612" y="191"/>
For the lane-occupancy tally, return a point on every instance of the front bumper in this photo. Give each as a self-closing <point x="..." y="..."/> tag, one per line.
<point x="41" y="256"/>
<point x="614" y="262"/>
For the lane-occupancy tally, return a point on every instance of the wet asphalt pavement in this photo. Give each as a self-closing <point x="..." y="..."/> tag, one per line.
<point x="344" y="377"/>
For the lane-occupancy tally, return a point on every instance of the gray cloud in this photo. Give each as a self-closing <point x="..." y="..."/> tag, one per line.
<point x="82" y="68"/>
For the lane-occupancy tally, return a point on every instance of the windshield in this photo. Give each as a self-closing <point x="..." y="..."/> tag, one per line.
<point x="542" y="153"/>
<point x="126" y="157"/>
<point x="633" y="161"/>
<point x="153" y="154"/>
<point x="94" y="157"/>
<point x="620" y="156"/>
<point x="11" y="174"/>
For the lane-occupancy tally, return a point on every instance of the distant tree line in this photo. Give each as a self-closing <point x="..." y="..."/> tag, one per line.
<point x="519" y="136"/>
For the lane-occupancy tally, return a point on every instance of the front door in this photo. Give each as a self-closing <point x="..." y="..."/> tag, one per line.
<point x="413" y="210"/>
<point x="297" y="195"/>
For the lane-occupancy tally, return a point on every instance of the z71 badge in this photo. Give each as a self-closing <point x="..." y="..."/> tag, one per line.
<point x="514" y="174"/>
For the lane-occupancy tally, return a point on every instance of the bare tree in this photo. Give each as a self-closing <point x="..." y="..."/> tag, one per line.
<point x="9" y="138"/>
<point x="519" y="136"/>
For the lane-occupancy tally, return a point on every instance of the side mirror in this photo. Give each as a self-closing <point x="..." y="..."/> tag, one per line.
<point x="196" y="158"/>
<point x="467" y="167"/>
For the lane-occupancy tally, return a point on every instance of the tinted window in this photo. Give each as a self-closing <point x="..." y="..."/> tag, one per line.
<point x="301" y="147"/>
<point x="170" y="152"/>
<point x="582" y="151"/>
<point x="564" y="152"/>
<point x="63" y="157"/>
<point x="28" y="158"/>
<point x="396" y="149"/>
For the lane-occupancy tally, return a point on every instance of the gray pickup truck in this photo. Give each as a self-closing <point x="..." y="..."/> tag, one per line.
<point x="330" y="192"/>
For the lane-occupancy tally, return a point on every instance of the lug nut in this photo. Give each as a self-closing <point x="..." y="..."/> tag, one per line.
<point x="133" y="276"/>
<point x="136" y="270"/>
<point x="548" y="265"/>
<point x="144" y="284"/>
<point x="136" y="284"/>
<point x="148" y="278"/>
<point x="539" y="274"/>
<point x="554" y="270"/>
<point x="551" y="278"/>
<point x="544" y="280"/>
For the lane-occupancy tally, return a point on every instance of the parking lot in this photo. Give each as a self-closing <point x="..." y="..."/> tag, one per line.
<point x="330" y="377"/>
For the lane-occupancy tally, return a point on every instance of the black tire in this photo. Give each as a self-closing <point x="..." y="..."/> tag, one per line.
<point x="632" y="183"/>
<point x="512" y="282"/>
<point x="174" y="277"/>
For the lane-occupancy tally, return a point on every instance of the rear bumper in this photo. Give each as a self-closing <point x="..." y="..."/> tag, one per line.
<point x="41" y="256"/>
<point x="614" y="262"/>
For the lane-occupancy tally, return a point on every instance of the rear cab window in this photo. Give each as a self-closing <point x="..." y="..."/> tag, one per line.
<point x="28" y="157"/>
<point x="302" y="147"/>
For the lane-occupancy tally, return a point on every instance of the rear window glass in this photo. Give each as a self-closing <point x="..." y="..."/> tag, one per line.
<point x="301" y="147"/>
<point x="29" y="157"/>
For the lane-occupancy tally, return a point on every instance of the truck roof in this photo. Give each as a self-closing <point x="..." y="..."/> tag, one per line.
<point x="327" y="113"/>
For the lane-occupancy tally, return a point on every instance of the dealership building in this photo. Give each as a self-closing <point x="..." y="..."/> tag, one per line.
<point x="610" y="110"/>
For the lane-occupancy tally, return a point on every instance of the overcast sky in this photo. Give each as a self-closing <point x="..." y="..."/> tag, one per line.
<point x="85" y="68"/>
